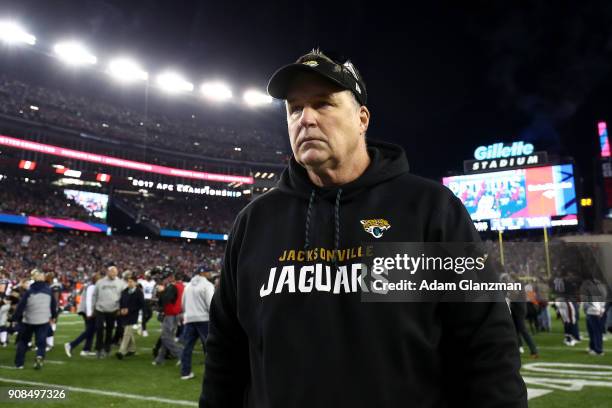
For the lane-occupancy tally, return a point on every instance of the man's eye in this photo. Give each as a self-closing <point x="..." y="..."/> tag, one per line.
<point x="295" y="109"/>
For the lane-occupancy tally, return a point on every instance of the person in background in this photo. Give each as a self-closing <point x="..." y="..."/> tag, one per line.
<point x="196" y="307"/>
<point x="148" y="288"/>
<point x="56" y="289"/>
<point x="568" y="316"/>
<point x="119" y="322"/>
<point x="170" y="300"/>
<point x="5" y="283"/>
<point x="593" y="293"/>
<point x="107" y="294"/>
<point x="85" y="309"/>
<point x="131" y="303"/>
<point x="36" y="310"/>
<point x="5" y="307"/>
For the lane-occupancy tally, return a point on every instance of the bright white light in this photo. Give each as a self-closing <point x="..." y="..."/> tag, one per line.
<point x="217" y="91"/>
<point x="12" y="33"/>
<point x="34" y="107"/>
<point x="254" y="97"/>
<point x="72" y="173"/>
<point x="126" y="70"/>
<point x="173" y="82"/>
<point x="73" y="53"/>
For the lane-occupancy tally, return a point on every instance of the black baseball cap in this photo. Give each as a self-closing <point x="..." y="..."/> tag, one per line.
<point x="340" y="71"/>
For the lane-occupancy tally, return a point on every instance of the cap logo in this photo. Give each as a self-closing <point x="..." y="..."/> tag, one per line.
<point x="311" y="63"/>
<point x="349" y="66"/>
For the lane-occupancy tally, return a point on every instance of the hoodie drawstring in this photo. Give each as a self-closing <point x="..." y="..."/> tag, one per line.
<point x="308" y="215"/>
<point x="337" y="228"/>
<point x="336" y="224"/>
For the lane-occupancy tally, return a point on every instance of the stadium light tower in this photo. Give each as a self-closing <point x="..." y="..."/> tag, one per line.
<point x="74" y="53"/>
<point x="173" y="82"/>
<point x="216" y="91"/>
<point x="126" y="70"/>
<point x="13" y="33"/>
<point x="254" y="97"/>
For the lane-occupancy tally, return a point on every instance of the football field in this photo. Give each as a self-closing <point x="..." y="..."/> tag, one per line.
<point x="109" y="382"/>
<point x="562" y="376"/>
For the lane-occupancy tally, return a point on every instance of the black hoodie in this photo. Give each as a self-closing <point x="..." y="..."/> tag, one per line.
<point x="281" y="340"/>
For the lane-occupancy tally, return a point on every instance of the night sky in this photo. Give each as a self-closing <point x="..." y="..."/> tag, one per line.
<point x="442" y="78"/>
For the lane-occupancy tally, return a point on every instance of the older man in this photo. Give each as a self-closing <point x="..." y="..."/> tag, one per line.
<point x="107" y="294"/>
<point x="287" y="330"/>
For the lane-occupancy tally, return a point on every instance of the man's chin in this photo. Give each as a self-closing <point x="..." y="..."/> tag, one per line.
<point x="312" y="159"/>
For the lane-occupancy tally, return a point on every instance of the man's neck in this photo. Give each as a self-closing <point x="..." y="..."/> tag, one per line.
<point x="341" y="174"/>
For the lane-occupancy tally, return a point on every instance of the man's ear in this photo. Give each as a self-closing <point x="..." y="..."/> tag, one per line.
<point x="364" y="118"/>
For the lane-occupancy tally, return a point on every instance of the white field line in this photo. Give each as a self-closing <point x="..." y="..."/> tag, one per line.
<point x="101" y="392"/>
<point x="45" y="362"/>
<point x="535" y="393"/>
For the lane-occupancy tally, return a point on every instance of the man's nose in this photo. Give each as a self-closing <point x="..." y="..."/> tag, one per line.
<point x="308" y="117"/>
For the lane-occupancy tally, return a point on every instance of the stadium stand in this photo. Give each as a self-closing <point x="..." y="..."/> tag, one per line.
<point x="40" y="200"/>
<point x="75" y="256"/>
<point x="185" y="213"/>
<point x="175" y="130"/>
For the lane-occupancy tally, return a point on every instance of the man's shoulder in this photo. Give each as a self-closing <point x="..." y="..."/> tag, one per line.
<point x="262" y="203"/>
<point x="265" y="199"/>
<point x="422" y="185"/>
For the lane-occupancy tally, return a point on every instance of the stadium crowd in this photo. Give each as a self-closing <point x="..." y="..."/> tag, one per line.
<point x="197" y="214"/>
<point x="74" y="257"/>
<point x="40" y="200"/>
<point x="179" y="131"/>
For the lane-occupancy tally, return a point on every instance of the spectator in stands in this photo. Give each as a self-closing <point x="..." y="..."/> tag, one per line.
<point x="250" y="139"/>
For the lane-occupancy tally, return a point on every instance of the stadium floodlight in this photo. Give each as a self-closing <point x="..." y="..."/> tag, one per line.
<point x="13" y="33"/>
<point x="254" y="97"/>
<point x="126" y="70"/>
<point x="216" y="91"/>
<point x="173" y="82"/>
<point x="74" y="53"/>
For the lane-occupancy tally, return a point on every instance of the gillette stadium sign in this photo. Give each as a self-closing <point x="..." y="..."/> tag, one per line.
<point x="499" y="156"/>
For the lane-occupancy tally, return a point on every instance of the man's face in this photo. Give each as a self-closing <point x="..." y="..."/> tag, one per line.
<point x="325" y="123"/>
<point x="131" y="283"/>
<point x="113" y="272"/>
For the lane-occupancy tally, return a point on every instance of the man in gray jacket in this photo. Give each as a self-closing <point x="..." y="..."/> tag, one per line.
<point x="106" y="305"/>
<point x="196" y="305"/>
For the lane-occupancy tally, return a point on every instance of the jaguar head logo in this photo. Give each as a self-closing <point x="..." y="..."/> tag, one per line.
<point x="375" y="227"/>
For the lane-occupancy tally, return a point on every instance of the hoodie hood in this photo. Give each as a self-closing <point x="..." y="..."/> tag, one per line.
<point x="387" y="161"/>
<point x="197" y="280"/>
<point x="39" y="286"/>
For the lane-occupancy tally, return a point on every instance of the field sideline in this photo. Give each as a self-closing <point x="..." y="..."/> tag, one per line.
<point x="561" y="377"/>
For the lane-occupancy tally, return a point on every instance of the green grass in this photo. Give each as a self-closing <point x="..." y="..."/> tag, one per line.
<point x="137" y="376"/>
<point x="552" y="350"/>
<point x="132" y="375"/>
